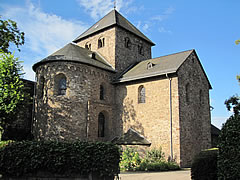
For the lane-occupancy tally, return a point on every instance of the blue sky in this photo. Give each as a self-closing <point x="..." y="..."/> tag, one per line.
<point x="209" y="27"/>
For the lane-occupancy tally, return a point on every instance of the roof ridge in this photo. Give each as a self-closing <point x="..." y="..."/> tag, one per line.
<point x="92" y="26"/>
<point x="169" y="55"/>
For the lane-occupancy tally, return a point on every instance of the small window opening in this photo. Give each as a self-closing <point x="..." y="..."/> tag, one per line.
<point x="88" y="46"/>
<point x="93" y="56"/>
<point x="101" y="125"/>
<point x="140" y="49"/>
<point x="141" y="94"/>
<point x="101" y="42"/>
<point x="60" y="84"/>
<point x="150" y="65"/>
<point x="101" y="92"/>
<point x="128" y="43"/>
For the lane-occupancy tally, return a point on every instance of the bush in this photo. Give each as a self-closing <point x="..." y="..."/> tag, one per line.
<point x="229" y="148"/>
<point x="65" y="158"/>
<point x="155" y="155"/>
<point x="153" y="161"/>
<point x="204" y="166"/>
<point x="130" y="160"/>
<point x="4" y="143"/>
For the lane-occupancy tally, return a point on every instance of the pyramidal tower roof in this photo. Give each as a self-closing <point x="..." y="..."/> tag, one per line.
<point x="114" y="18"/>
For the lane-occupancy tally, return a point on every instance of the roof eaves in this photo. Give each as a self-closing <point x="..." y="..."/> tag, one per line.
<point x="144" y="76"/>
<point x="75" y="61"/>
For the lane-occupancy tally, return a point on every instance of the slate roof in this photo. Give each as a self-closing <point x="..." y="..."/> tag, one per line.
<point x="74" y="53"/>
<point x="160" y="66"/>
<point x="114" y="18"/>
<point x="131" y="137"/>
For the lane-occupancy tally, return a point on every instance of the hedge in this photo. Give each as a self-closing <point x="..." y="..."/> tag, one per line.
<point x="229" y="149"/>
<point x="204" y="166"/>
<point x="29" y="157"/>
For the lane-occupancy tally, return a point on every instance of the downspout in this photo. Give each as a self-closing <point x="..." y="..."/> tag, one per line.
<point x="87" y="122"/>
<point x="170" y="109"/>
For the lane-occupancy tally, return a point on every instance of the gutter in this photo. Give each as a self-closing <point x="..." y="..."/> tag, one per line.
<point x="170" y="108"/>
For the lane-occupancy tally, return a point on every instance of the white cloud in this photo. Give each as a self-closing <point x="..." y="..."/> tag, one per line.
<point x="99" y="8"/>
<point x="44" y="32"/>
<point x="145" y="27"/>
<point x="163" y="30"/>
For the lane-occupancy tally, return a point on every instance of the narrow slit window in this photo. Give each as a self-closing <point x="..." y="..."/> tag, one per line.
<point x="101" y="125"/>
<point x="101" y="92"/>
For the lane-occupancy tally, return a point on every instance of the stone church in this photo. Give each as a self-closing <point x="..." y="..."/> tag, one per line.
<point x="106" y="82"/>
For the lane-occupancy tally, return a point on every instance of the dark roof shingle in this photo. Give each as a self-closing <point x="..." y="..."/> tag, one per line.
<point x="74" y="53"/>
<point x="111" y="19"/>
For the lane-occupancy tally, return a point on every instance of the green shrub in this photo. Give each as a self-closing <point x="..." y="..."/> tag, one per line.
<point x="155" y="155"/>
<point x="204" y="166"/>
<point x="4" y="143"/>
<point x="229" y="149"/>
<point x="21" y="158"/>
<point x="130" y="160"/>
<point x="153" y="161"/>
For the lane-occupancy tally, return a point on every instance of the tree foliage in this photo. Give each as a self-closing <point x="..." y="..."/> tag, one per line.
<point x="229" y="148"/>
<point x="11" y="88"/>
<point x="229" y="143"/>
<point x="9" y="33"/>
<point x="237" y="41"/>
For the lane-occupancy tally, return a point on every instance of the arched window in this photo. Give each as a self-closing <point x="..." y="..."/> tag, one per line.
<point x="102" y="92"/>
<point x="101" y="42"/>
<point x="128" y="43"/>
<point x="60" y="84"/>
<point x="141" y="94"/>
<point x="140" y="49"/>
<point x="41" y="86"/>
<point x="88" y="46"/>
<point x="187" y="92"/>
<point x="101" y="124"/>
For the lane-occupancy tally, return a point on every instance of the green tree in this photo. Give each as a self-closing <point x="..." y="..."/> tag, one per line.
<point x="229" y="146"/>
<point x="11" y="88"/>
<point x="9" y="33"/>
<point x="237" y="41"/>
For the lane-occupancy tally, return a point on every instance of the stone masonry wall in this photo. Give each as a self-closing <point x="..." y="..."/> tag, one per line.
<point x="108" y="51"/>
<point x="114" y="50"/>
<point x="152" y="118"/>
<point x="195" y="121"/>
<point x="127" y="56"/>
<point x="74" y="115"/>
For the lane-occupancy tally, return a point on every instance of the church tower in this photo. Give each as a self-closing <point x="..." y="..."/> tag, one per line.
<point x="117" y="40"/>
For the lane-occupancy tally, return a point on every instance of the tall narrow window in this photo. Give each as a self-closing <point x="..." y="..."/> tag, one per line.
<point x="187" y="92"/>
<point x="60" y="84"/>
<point x="128" y="43"/>
<point x="101" y="42"/>
<point x="101" y="124"/>
<point x="141" y="94"/>
<point x="140" y="49"/>
<point x="101" y="92"/>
